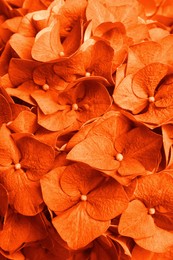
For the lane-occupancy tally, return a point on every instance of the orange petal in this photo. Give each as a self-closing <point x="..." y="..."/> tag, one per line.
<point x="167" y="142"/>
<point x="5" y="110"/>
<point x="98" y="13"/>
<point x="37" y="157"/>
<point x="150" y="7"/>
<point x="135" y="221"/>
<point x="130" y="166"/>
<point x="47" y="46"/>
<point x="25" y="122"/>
<point x="57" y="121"/>
<point x="53" y="195"/>
<point x="77" y="228"/>
<point x="44" y="74"/>
<point x="4" y="204"/>
<point x="145" y="148"/>
<point x="81" y="180"/>
<point x="48" y="101"/>
<point x="125" y="98"/>
<point x="46" y="136"/>
<point x="143" y="54"/>
<point x="140" y="253"/>
<point x="20" y="229"/>
<point x="161" y="241"/>
<point x="156" y="190"/>
<point x="163" y="97"/>
<point x="99" y="155"/>
<point x="146" y="80"/>
<point x="21" y="70"/>
<point x="107" y="201"/>
<point x="9" y="152"/>
<point x="69" y="13"/>
<point x="111" y="125"/>
<point x="24" y="48"/>
<point x="104" y="248"/>
<point x="167" y="43"/>
<point x="102" y="60"/>
<point x="155" y="117"/>
<point x="94" y="57"/>
<point x="91" y="97"/>
<point x="15" y="232"/>
<point x="73" y="40"/>
<point x="24" y="195"/>
<point x="24" y="91"/>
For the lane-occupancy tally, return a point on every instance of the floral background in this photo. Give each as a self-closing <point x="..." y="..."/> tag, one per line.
<point x="86" y="129"/>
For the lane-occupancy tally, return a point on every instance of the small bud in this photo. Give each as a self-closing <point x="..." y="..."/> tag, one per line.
<point x="75" y="107"/>
<point x="61" y="54"/>
<point x="119" y="157"/>
<point x="87" y="74"/>
<point x="151" y="211"/>
<point x="151" y="99"/>
<point x="45" y="87"/>
<point x="17" y="166"/>
<point x="83" y="197"/>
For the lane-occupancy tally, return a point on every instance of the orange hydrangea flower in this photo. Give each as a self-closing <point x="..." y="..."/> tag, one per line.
<point x="82" y="197"/>
<point x="120" y="155"/>
<point x="151" y="218"/>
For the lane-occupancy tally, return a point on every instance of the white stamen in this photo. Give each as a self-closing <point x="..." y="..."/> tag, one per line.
<point x="119" y="157"/>
<point x="75" y="107"/>
<point x="9" y="123"/>
<point x="151" y="211"/>
<point x="45" y="87"/>
<point x="17" y="166"/>
<point x="151" y="99"/>
<point x="83" y="197"/>
<point x="87" y="74"/>
<point x="61" y="54"/>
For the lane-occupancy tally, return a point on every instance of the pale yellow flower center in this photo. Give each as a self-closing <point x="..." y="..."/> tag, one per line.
<point x="87" y="74"/>
<point x="75" y="106"/>
<point x="151" y="99"/>
<point x="45" y="87"/>
<point x="83" y="197"/>
<point x="119" y="157"/>
<point x="151" y="211"/>
<point x="61" y="54"/>
<point x="17" y="166"/>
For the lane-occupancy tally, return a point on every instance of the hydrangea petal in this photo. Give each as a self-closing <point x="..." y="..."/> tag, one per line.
<point x="135" y="221"/>
<point x="107" y="201"/>
<point x="77" y="228"/>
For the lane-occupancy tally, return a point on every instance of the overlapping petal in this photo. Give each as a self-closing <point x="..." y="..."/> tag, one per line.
<point x="86" y="113"/>
<point x="76" y="199"/>
<point x="128" y="155"/>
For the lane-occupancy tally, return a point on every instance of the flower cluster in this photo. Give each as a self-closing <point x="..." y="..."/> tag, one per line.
<point x="86" y="129"/>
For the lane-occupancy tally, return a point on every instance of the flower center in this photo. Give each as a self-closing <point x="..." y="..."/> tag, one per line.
<point x="45" y="87"/>
<point x="151" y="211"/>
<point x="151" y="99"/>
<point x="75" y="107"/>
<point x="17" y="166"/>
<point x="9" y="123"/>
<point x="87" y="74"/>
<point x="83" y="197"/>
<point x="119" y="157"/>
<point x="61" y="54"/>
